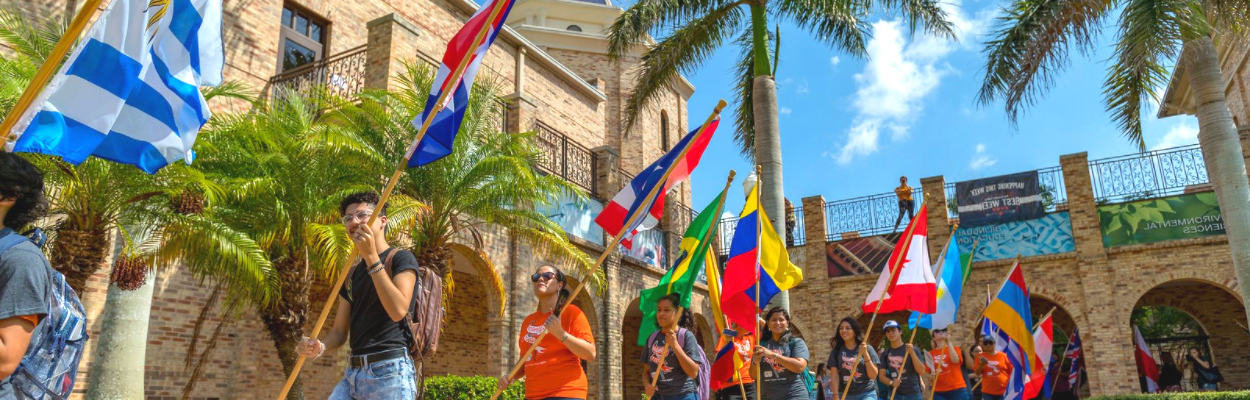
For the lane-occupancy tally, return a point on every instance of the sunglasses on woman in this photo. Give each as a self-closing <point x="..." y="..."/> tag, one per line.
<point x="545" y="276"/>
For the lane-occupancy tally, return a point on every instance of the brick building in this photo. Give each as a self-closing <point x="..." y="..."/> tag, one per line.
<point x="556" y="78"/>
<point x="1092" y="284"/>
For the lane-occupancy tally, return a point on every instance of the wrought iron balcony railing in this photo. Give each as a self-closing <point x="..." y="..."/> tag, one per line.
<point x="1147" y="175"/>
<point x="341" y="74"/>
<point x="565" y="158"/>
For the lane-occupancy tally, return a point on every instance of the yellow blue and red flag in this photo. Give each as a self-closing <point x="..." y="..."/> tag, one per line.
<point x="757" y="257"/>
<point x="441" y="135"/>
<point x="1011" y="314"/>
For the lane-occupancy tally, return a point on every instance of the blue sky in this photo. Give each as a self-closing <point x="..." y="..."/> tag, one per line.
<point x="850" y="127"/>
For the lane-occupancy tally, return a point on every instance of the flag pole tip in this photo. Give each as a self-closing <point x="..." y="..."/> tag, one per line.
<point x="720" y="105"/>
<point x="732" y="173"/>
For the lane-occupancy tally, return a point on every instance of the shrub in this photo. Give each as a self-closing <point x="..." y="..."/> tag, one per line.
<point x="451" y="387"/>
<point x="1242" y="395"/>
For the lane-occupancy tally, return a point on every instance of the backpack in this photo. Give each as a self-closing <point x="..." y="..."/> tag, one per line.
<point x="425" y="314"/>
<point x="809" y="379"/>
<point x="50" y="367"/>
<point x="705" y="368"/>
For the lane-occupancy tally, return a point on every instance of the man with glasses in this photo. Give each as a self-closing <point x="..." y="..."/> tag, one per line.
<point x="371" y="310"/>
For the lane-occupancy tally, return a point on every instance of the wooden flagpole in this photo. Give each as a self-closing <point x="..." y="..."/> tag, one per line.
<point x="759" y="222"/>
<point x="707" y="238"/>
<point x="48" y="69"/>
<point x="439" y="104"/>
<point x="611" y="246"/>
<point x="893" y="270"/>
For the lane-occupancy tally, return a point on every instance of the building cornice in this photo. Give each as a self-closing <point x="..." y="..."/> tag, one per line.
<point x="584" y="42"/>
<point x="512" y="37"/>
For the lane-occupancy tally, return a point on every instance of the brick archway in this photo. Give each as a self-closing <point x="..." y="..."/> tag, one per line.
<point x="586" y="303"/>
<point x="631" y="365"/>
<point x="467" y="325"/>
<point x="1216" y="308"/>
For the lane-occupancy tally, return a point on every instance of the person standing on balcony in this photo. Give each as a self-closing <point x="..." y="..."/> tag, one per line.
<point x="555" y="370"/>
<point x="371" y="310"/>
<point x="905" y="202"/>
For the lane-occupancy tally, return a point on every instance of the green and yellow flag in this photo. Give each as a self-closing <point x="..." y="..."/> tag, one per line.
<point x="695" y="247"/>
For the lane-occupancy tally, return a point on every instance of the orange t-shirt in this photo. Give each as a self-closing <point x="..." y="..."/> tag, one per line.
<point x="950" y="375"/>
<point x="994" y="373"/>
<point x="34" y="319"/>
<point x="552" y="370"/>
<point x="745" y="346"/>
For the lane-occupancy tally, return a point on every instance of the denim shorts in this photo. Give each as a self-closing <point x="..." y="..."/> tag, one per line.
<point x="393" y="379"/>
<point x="867" y="395"/>
<point x="987" y="396"/>
<point x="687" y="396"/>
<point x="957" y="394"/>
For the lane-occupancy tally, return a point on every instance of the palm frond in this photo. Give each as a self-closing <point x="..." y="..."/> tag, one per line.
<point x="838" y="23"/>
<point x="744" y="84"/>
<point x="230" y="90"/>
<point x="634" y="25"/>
<point x="1030" y="46"/>
<point x="211" y="249"/>
<point x="927" y="14"/>
<point x="1150" y="31"/>
<point x="25" y="38"/>
<point x="681" y="52"/>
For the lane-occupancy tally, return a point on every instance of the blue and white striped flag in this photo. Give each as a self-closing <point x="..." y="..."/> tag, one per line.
<point x="130" y="91"/>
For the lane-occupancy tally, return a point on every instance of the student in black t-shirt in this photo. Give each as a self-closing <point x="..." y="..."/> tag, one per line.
<point x="679" y="369"/>
<point x="371" y="310"/>
<point x="847" y="344"/>
<point x="782" y="358"/>
<point x="25" y="274"/>
<point x="901" y="361"/>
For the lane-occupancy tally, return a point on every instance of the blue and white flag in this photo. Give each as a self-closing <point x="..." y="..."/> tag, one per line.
<point x="129" y="93"/>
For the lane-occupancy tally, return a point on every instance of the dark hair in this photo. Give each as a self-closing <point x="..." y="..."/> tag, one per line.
<point x="1166" y="357"/>
<point x="22" y="182"/>
<point x="563" y="296"/>
<point x="686" y="319"/>
<point x="768" y="333"/>
<point x="361" y="197"/>
<point x="837" y="343"/>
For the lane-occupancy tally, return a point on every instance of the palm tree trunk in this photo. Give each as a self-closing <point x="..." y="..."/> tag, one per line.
<point x="78" y="254"/>
<point x="1222" y="151"/>
<point x="117" y="372"/>
<point x="767" y="134"/>
<point x="285" y="320"/>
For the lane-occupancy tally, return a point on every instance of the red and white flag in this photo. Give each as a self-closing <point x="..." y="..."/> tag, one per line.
<point x="1043" y="342"/>
<point x="1145" y="362"/>
<point x="913" y="286"/>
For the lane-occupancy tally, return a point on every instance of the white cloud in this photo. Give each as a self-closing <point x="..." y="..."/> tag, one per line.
<point x="899" y="75"/>
<point x="1180" y="135"/>
<point x="783" y="110"/>
<point x="980" y="159"/>
<point x="802" y="87"/>
<point x="834" y="61"/>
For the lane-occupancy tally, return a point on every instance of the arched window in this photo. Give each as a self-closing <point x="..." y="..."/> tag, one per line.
<point x="664" y="130"/>
<point x="574" y="28"/>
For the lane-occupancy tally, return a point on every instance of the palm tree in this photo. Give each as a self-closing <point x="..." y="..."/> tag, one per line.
<point x="1031" y="44"/>
<point x="698" y="27"/>
<point x="490" y="181"/>
<point x="284" y="166"/>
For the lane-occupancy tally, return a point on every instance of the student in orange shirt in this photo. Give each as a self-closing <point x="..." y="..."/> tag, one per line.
<point x="555" y="368"/>
<point x="744" y="344"/>
<point x="948" y="361"/>
<point x="995" y="370"/>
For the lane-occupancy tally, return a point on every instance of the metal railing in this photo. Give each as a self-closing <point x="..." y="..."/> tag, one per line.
<point x="725" y="234"/>
<point x="1147" y="175"/>
<point x="565" y="158"/>
<point x="865" y="216"/>
<point x="1054" y="193"/>
<point x="799" y="233"/>
<point x="341" y="74"/>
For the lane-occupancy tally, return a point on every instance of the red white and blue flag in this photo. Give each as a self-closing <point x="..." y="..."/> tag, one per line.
<point x="1077" y="356"/>
<point x="632" y="199"/>
<point x="439" y="138"/>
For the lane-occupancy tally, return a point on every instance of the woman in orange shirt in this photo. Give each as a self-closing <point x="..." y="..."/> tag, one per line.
<point x="744" y="344"/>
<point x="556" y="365"/>
<point x="995" y="370"/>
<point x="948" y="361"/>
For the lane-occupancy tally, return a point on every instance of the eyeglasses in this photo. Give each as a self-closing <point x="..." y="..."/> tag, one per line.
<point x="362" y="216"/>
<point x="545" y="276"/>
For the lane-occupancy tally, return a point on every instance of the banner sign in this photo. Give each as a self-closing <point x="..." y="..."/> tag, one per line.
<point x="1050" y="234"/>
<point x="1147" y="221"/>
<point x="1000" y="199"/>
<point x="575" y="219"/>
<point x="648" y="248"/>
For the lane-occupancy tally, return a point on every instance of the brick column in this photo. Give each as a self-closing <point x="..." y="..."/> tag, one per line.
<point x="934" y="188"/>
<point x="1105" y="330"/>
<point x="611" y="376"/>
<point x="391" y="38"/>
<point x="814" y="230"/>
<point x="607" y="181"/>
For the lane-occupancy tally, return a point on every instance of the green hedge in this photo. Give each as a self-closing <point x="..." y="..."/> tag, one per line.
<point x="1242" y="395"/>
<point x="450" y="387"/>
